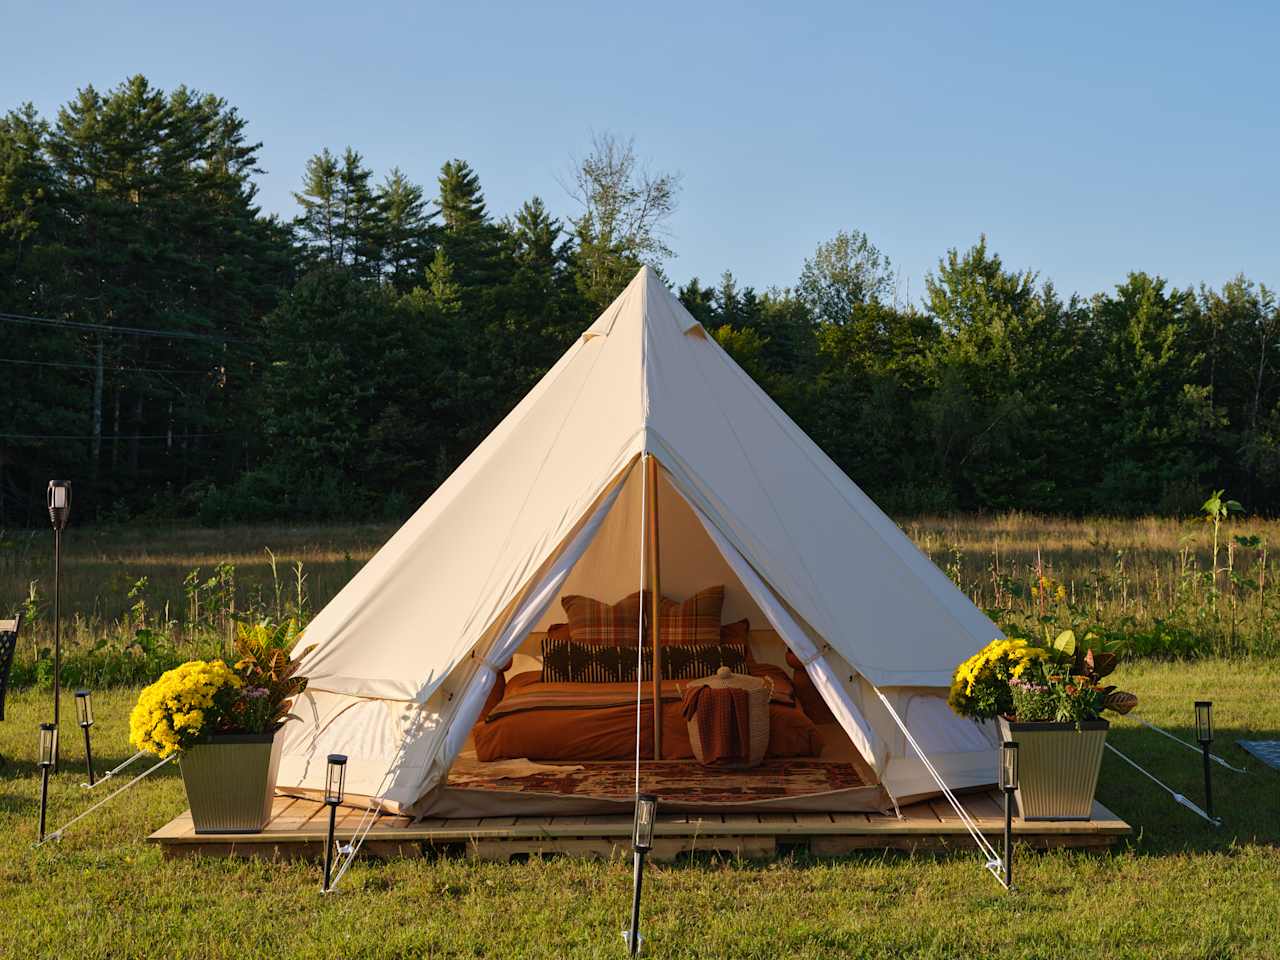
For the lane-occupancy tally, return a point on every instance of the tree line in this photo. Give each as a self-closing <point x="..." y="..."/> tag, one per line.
<point x="178" y="353"/>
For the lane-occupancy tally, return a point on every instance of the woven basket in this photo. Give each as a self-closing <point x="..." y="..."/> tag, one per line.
<point x="758" y="693"/>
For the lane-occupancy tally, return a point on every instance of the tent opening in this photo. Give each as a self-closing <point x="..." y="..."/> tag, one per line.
<point x="545" y="746"/>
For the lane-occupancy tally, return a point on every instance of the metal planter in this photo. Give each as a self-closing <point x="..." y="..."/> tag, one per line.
<point x="1057" y="767"/>
<point x="231" y="781"/>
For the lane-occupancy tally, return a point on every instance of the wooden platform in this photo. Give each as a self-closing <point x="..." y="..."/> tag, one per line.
<point x="298" y="828"/>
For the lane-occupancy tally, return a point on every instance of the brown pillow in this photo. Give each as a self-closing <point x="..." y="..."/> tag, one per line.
<point x="495" y="695"/>
<point x="559" y="631"/>
<point x="591" y="621"/>
<point x="737" y="632"/>
<point x="811" y="701"/>
<point x="696" y="620"/>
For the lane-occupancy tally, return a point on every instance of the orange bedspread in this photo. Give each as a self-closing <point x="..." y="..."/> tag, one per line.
<point x="548" y="726"/>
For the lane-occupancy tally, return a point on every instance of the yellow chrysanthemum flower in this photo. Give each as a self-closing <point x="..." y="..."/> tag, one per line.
<point x="172" y="713"/>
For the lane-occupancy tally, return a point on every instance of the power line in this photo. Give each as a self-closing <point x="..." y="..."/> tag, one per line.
<point x="94" y="366"/>
<point x="105" y="436"/>
<point x="109" y="328"/>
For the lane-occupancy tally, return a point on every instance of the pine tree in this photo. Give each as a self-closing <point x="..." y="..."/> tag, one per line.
<point x="407" y="231"/>
<point x="461" y="201"/>
<point x="320" y="225"/>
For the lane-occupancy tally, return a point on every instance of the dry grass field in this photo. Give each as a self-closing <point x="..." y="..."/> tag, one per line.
<point x="1150" y="585"/>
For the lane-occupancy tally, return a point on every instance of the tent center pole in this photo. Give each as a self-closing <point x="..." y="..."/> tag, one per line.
<point x="655" y="589"/>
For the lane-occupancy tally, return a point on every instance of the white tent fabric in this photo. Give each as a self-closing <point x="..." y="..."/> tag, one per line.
<point x="490" y="551"/>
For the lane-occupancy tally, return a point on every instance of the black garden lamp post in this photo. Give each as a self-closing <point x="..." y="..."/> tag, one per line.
<point x="45" y="760"/>
<point x="84" y="713"/>
<point x="335" y="782"/>
<point x="59" y="499"/>
<point x="1204" y="733"/>
<point x="642" y="843"/>
<point x="1008" y="783"/>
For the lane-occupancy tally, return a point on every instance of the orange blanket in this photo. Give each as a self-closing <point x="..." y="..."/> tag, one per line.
<point x="723" y="716"/>
<point x="516" y="728"/>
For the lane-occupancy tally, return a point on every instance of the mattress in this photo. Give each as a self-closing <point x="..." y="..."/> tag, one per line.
<point x="597" y="721"/>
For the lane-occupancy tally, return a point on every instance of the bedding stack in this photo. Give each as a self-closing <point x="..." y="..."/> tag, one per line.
<point x="581" y="701"/>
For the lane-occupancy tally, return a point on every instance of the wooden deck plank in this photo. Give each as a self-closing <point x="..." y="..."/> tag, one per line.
<point x="301" y="823"/>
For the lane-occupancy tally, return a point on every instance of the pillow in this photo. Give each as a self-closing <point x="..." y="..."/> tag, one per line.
<point x="696" y="620"/>
<point x="737" y="632"/>
<point x="568" y="661"/>
<point x="591" y="621"/>
<point x="522" y="663"/>
<point x="689" y="661"/>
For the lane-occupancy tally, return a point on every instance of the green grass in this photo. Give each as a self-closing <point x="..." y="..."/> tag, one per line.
<point x="1179" y="889"/>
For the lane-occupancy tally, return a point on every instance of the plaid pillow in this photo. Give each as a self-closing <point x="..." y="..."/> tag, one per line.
<point x="697" y="620"/>
<point x="690" y="661"/>
<point x="591" y="621"/>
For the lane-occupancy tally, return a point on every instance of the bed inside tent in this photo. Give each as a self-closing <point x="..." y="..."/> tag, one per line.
<point x="659" y="470"/>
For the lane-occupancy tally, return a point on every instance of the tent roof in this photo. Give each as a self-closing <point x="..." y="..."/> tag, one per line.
<point x="645" y="377"/>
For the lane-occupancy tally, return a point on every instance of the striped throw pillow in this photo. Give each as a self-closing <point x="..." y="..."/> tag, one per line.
<point x="566" y="661"/>
<point x="691" y="661"/>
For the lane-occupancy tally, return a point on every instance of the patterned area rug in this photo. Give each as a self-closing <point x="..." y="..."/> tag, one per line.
<point x="1268" y="751"/>
<point x="675" y="780"/>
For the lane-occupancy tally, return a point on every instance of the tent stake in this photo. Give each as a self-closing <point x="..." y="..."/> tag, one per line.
<point x="655" y="588"/>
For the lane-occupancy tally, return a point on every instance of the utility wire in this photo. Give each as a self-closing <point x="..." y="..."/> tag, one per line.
<point x="105" y="436"/>
<point x="94" y="366"/>
<point x="110" y="328"/>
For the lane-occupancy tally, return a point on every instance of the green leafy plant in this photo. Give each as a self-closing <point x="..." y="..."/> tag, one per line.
<point x="265" y="662"/>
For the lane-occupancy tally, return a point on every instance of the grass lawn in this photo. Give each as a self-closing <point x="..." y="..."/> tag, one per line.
<point x="1179" y="889"/>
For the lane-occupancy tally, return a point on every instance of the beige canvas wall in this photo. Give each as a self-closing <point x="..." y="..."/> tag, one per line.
<point x="610" y="569"/>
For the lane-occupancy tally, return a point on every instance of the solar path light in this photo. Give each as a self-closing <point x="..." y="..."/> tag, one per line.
<point x="334" y="784"/>
<point x="84" y="713"/>
<point x="59" y="501"/>
<point x="1204" y="733"/>
<point x="45" y="760"/>
<point x="1008" y="784"/>
<point x="642" y="843"/>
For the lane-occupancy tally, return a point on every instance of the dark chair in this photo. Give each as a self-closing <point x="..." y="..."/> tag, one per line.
<point x="8" y="642"/>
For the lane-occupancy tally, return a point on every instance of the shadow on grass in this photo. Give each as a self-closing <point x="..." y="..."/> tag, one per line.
<point x="1246" y="802"/>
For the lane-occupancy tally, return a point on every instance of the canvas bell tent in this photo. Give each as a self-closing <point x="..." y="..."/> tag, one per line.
<point x="644" y="459"/>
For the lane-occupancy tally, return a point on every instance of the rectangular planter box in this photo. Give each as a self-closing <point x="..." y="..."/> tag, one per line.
<point x="1057" y="767"/>
<point x="231" y="782"/>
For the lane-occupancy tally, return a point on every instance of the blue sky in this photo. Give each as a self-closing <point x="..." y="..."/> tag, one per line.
<point x="1085" y="140"/>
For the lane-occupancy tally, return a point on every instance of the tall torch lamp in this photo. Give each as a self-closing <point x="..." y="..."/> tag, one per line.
<point x="59" y="500"/>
